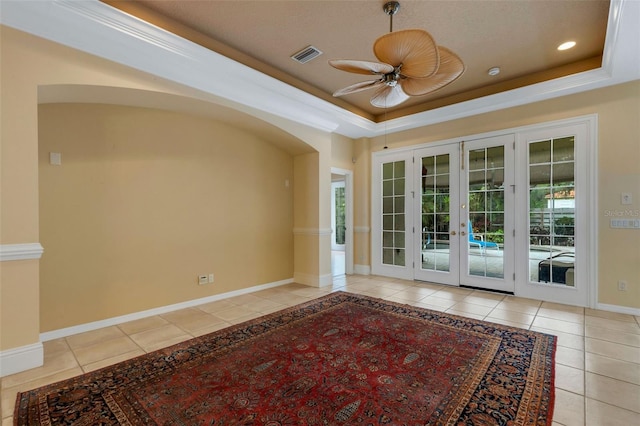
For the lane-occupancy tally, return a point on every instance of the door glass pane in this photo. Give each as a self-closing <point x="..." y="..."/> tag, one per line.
<point x="435" y="213"/>
<point x="485" y="230"/>
<point x="393" y="213"/>
<point x="552" y="212"/>
<point x="340" y="225"/>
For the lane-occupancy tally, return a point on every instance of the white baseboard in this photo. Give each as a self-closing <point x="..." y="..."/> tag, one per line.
<point x="362" y="269"/>
<point x="69" y="331"/>
<point x="618" y="309"/>
<point x="313" y="280"/>
<point x="325" y="280"/>
<point x="20" y="359"/>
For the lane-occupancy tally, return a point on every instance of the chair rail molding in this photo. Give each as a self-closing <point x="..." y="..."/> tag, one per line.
<point x="26" y="251"/>
<point x="312" y="231"/>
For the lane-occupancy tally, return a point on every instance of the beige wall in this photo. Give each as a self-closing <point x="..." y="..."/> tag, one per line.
<point x="19" y="302"/>
<point x="145" y="201"/>
<point x="30" y="63"/>
<point x="342" y="152"/>
<point x="618" y="109"/>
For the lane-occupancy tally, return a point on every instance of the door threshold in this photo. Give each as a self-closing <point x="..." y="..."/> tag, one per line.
<point x="511" y="293"/>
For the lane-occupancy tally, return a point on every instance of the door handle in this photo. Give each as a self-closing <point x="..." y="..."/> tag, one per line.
<point x="463" y="233"/>
<point x="453" y="232"/>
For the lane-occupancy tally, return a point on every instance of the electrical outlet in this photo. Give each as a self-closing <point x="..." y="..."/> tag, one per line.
<point x="210" y="278"/>
<point x="622" y="286"/>
<point x="203" y="279"/>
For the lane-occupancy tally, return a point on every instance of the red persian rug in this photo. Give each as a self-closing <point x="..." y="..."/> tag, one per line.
<point x="340" y="359"/>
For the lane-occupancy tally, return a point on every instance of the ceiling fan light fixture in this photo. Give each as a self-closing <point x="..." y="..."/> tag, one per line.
<point x="410" y="64"/>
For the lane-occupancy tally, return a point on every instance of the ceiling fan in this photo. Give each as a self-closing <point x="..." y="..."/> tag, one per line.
<point x="411" y="64"/>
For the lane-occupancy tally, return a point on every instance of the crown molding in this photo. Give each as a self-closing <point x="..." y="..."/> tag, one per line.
<point x="122" y="38"/>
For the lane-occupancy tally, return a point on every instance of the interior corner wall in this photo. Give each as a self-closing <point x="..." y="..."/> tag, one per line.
<point x="306" y="222"/>
<point x="362" y="205"/>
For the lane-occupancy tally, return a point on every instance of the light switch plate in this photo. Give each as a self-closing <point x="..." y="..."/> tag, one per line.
<point x="626" y="198"/>
<point x="625" y="223"/>
<point x="55" y="158"/>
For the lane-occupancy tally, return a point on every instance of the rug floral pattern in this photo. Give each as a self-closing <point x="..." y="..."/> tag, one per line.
<point x="340" y="359"/>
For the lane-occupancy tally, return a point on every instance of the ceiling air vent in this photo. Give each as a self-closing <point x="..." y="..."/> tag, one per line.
<point x="306" y="54"/>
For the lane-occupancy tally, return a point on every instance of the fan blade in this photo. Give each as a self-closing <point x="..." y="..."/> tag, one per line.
<point x="361" y="67"/>
<point x="358" y="87"/>
<point x="451" y="68"/>
<point x="389" y="96"/>
<point x="415" y="50"/>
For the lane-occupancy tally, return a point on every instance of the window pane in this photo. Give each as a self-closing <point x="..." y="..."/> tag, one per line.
<point x="435" y="213"/>
<point x="540" y="152"/>
<point x="387" y="239"/>
<point x="495" y="157"/>
<point x="393" y="211"/>
<point x="552" y="212"/>
<point x="387" y="222"/>
<point x="486" y="200"/>
<point x="398" y="186"/>
<point x="387" y="205"/>
<point x="398" y="239"/>
<point x="387" y="171"/>
<point x="387" y="188"/>
<point x="442" y="203"/>
<point x="476" y="180"/>
<point x="340" y="215"/>
<point x="428" y="202"/>
<point x="563" y="149"/>
<point x="442" y="164"/>
<point x="428" y="168"/>
<point x="387" y="256"/>
<point x="477" y="160"/>
<point x="398" y="204"/>
<point x="540" y="175"/>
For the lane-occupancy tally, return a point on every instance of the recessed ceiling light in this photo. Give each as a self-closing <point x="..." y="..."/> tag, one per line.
<point x="567" y="45"/>
<point x="494" y="71"/>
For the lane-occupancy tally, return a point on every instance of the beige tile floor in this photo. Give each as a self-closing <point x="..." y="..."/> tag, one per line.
<point x="598" y="353"/>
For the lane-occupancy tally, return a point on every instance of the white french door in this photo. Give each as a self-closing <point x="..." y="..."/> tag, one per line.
<point x="392" y="240"/>
<point x="556" y="218"/>
<point x="437" y="178"/>
<point x="466" y="213"/>
<point x="511" y="212"/>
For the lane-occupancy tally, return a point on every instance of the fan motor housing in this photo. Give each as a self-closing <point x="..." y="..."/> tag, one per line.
<point x="391" y="8"/>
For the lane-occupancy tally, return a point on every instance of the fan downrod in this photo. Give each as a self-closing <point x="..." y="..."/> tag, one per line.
<point x="391" y="8"/>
